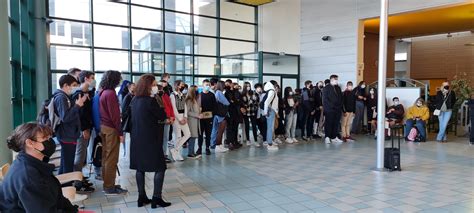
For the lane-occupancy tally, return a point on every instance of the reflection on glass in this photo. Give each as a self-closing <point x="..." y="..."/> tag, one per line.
<point x="289" y="82"/>
<point x="178" y="64"/>
<point x="237" y="30"/>
<point x="178" y="5"/>
<point x="176" y="43"/>
<point x="204" y="46"/>
<point x="238" y="12"/>
<point x="111" y="60"/>
<point x="77" y="9"/>
<point x="280" y="64"/>
<point x="63" y="58"/>
<point x="204" y="65"/>
<point x="177" y="22"/>
<point x="146" y="18"/>
<point x="106" y="11"/>
<point x="205" y="7"/>
<point x="147" y="62"/>
<point x="187" y="79"/>
<point x="229" y="47"/>
<point x="153" y="3"/>
<point x="147" y="40"/>
<point x="67" y="32"/>
<point x="113" y="37"/>
<point x="234" y="66"/>
<point x="205" y="26"/>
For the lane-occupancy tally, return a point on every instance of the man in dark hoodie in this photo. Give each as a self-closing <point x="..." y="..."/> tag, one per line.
<point x="68" y="131"/>
<point x="308" y="111"/>
<point x="332" y="104"/>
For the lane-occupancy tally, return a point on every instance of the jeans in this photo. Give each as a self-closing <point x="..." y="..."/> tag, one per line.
<point x="358" y="117"/>
<point x="81" y="152"/>
<point x="443" y="118"/>
<point x="110" y="155"/>
<point x="218" y="129"/>
<point x="178" y="128"/>
<point x="247" y="121"/>
<point x="419" y="124"/>
<point x="68" y="151"/>
<point x="290" y="122"/>
<point x="166" y="129"/>
<point x="270" y="126"/>
<point x="346" y="124"/>
<point x="206" y="128"/>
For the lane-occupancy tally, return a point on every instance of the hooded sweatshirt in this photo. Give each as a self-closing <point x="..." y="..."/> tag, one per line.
<point x="68" y="113"/>
<point x="272" y="99"/>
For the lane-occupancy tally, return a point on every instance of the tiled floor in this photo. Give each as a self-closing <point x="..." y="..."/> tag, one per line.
<point x="310" y="177"/>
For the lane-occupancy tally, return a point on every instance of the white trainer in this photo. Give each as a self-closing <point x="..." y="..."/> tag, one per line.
<point x="295" y="141"/>
<point x="221" y="149"/>
<point x="289" y="140"/>
<point x="336" y="140"/>
<point x="256" y="144"/>
<point x="327" y="140"/>
<point x="176" y="155"/>
<point x="249" y="143"/>
<point x="272" y="148"/>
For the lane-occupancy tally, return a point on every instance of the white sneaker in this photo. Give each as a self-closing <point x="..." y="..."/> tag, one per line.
<point x="256" y="144"/>
<point x="289" y="140"/>
<point x="221" y="149"/>
<point x="272" y="148"/>
<point x="277" y="140"/>
<point x="249" y="143"/>
<point x="295" y="141"/>
<point x="321" y="134"/>
<point x="176" y="155"/>
<point x="265" y="143"/>
<point x="336" y="140"/>
<point x="327" y="140"/>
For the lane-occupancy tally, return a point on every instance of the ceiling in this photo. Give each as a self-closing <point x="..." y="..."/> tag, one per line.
<point x="427" y="22"/>
<point x="253" y="2"/>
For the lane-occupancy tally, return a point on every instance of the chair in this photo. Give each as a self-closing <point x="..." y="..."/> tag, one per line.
<point x="69" y="177"/>
<point x="4" y="169"/>
<point x="70" y="193"/>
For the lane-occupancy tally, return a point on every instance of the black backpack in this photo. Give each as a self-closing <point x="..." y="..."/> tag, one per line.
<point x="262" y="102"/>
<point x="97" y="152"/>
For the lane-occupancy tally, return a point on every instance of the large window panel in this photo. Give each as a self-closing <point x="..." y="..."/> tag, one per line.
<point x="77" y="9"/>
<point x="230" y="47"/>
<point x="178" y="64"/>
<point x="204" y="65"/>
<point x="237" y="30"/>
<point x="178" y="5"/>
<point x="71" y="33"/>
<point x="147" y="62"/>
<point x="177" y="22"/>
<point x="112" y="37"/>
<point x="63" y="58"/>
<point x="147" y="40"/>
<point x="205" y="7"/>
<point x="146" y="18"/>
<point x="237" y="12"/>
<point x="110" y="12"/>
<point x="177" y="43"/>
<point x="205" y="46"/>
<point x="152" y="3"/>
<point x="205" y="26"/>
<point x="111" y="60"/>
<point x="187" y="79"/>
<point x="236" y="66"/>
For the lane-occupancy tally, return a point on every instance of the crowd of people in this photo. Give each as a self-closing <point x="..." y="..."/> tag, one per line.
<point x="163" y="117"/>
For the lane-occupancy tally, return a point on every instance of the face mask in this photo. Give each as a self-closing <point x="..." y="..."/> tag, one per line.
<point x="154" y="90"/>
<point x="185" y="91"/>
<point x="372" y="92"/>
<point x="75" y="89"/>
<point x="396" y="103"/>
<point x="206" y="88"/>
<point x="349" y="87"/>
<point x="418" y="104"/>
<point x="362" y="86"/>
<point x="446" y="87"/>
<point x="333" y="82"/>
<point x="291" y="93"/>
<point x="92" y="84"/>
<point x="49" y="147"/>
<point x="259" y="90"/>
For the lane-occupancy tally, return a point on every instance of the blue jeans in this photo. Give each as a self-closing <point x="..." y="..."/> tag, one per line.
<point x="443" y="118"/>
<point x="270" y="126"/>
<point x="191" y="143"/>
<point x="215" y="127"/>
<point x="420" y="125"/>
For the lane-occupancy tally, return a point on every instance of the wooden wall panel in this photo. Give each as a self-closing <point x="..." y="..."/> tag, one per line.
<point x="371" y="57"/>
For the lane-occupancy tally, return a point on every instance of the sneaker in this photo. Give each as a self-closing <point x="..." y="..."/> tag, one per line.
<point x="272" y="148"/>
<point x="193" y="156"/>
<point x="256" y="144"/>
<point x="278" y="141"/>
<point x="305" y="138"/>
<point x="349" y="139"/>
<point x="336" y="140"/>
<point x="265" y="143"/>
<point x="327" y="140"/>
<point x="83" y="189"/>
<point x="221" y="149"/>
<point x="117" y="190"/>
<point x="289" y="140"/>
<point x="176" y="155"/>
<point x="295" y="141"/>
<point x="249" y="143"/>
<point x="208" y="152"/>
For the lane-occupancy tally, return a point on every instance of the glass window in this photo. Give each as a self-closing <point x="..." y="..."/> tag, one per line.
<point x="229" y="47"/>
<point x="177" y="22"/>
<point x="204" y="65"/>
<point x="289" y="82"/>
<point x="238" y="12"/>
<point x="146" y="18"/>
<point x="63" y="58"/>
<point x="205" y="26"/>
<point x="237" y="30"/>
<point x="147" y="62"/>
<point x="187" y="79"/>
<point x="205" y="46"/>
<point x="112" y="37"/>
<point x="77" y="9"/>
<point x="153" y="3"/>
<point x="178" y="64"/>
<point x="277" y="64"/>
<point x="55" y="81"/>
<point x="178" y="5"/>
<point x="205" y="7"/>
<point x="147" y="40"/>
<point x="73" y="33"/>
<point x="111" y="60"/>
<point x="234" y="66"/>
<point x="110" y="12"/>
<point x="176" y="43"/>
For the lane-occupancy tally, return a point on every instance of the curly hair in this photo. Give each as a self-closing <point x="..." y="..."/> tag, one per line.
<point x="110" y="80"/>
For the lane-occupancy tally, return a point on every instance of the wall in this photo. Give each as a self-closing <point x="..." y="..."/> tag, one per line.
<point x="371" y="57"/>
<point x="340" y="20"/>
<point x="279" y="26"/>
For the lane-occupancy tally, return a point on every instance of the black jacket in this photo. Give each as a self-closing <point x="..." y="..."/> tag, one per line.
<point x="85" y="112"/>
<point x="332" y="99"/>
<point x="30" y="186"/>
<point x="68" y="112"/>
<point x="146" y="144"/>
<point x="450" y="100"/>
<point x="126" y="110"/>
<point x="348" y="102"/>
<point x="318" y="97"/>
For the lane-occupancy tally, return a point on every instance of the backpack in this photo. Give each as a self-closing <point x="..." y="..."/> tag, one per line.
<point x="97" y="152"/>
<point x="414" y="135"/>
<point x="54" y="119"/>
<point x="262" y="102"/>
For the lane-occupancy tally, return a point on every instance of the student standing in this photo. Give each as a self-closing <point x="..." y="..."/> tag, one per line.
<point x="291" y="109"/>
<point x="250" y="104"/>
<point x="359" y="92"/>
<point x="165" y="97"/>
<point x="445" y="100"/>
<point x="348" y="109"/>
<point x="371" y="111"/>
<point x="270" y="108"/>
<point x="208" y="103"/>
<point x="261" y="120"/>
<point x="219" y="123"/>
<point x="194" y="116"/>
<point x="308" y="111"/>
<point x="126" y="115"/>
<point x="180" y="125"/>
<point x="332" y="106"/>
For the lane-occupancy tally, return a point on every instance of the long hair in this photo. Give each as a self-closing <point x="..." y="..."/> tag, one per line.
<point x="220" y="86"/>
<point x="287" y="92"/>
<point x="144" y="85"/>
<point x="110" y="80"/>
<point x="191" y="96"/>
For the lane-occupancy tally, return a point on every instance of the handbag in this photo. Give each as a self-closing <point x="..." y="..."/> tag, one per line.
<point x="374" y="114"/>
<point x="437" y="112"/>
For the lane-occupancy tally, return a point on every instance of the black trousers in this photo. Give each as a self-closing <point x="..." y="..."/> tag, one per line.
<point x="232" y="131"/>
<point x="332" y="124"/>
<point x="157" y="183"/>
<point x="206" y="128"/>
<point x="262" y="127"/>
<point x="247" y="121"/>
<point x="308" y="123"/>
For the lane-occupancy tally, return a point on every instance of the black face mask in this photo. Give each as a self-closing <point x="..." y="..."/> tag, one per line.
<point x="49" y="148"/>
<point x="446" y="87"/>
<point x="181" y="89"/>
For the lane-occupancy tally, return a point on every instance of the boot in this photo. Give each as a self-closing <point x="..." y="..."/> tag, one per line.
<point x="160" y="202"/>
<point x="143" y="200"/>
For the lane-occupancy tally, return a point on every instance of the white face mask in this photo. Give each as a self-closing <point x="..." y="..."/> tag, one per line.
<point x="419" y="104"/>
<point x="372" y="92"/>
<point x="333" y="82"/>
<point x="396" y="103"/>
<point x="291" y="93"/>
<point x="92" y="84"/>
<point x="362" y="86"/>
<point x="154" y="90"/>
<point x="349" y="87"/>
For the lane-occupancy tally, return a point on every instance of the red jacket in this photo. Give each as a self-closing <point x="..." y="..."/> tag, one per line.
<point x="168" y="108"/>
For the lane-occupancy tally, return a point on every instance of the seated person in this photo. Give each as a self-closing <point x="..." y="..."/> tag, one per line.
<point x="29" y="185"/>
<point x="417" y="116"/>
<point x="395" y="113"/>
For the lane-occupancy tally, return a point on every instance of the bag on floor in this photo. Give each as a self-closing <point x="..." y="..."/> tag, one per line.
<point x="97" y="152"/>
<point x="412" y="134"/>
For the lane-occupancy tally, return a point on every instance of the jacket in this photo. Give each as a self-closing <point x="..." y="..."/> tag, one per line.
<point x="289" y="108"/>
<point x="332" y="99"/>
<point x="193" y="117"/>
<point x="308" y="100"/>
<point x="110" y="110"/>
<point x="398" y="113"/>
<point x="422" y="112"/>
<point x="126" y="111"/>
<point x="450" y="101"/>
<point x="349" y="101"/>
<point x="272" y="98"/>
<point x="317" y="96"/>
<point x="68" y="112"/>
<point x="168" y="107"/>
<point x="85" y="112"/>
<point x="30" y="186"/>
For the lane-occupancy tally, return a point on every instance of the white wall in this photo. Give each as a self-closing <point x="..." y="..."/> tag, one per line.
<point x="279" y="26"/>
<point x="340" y="20"/>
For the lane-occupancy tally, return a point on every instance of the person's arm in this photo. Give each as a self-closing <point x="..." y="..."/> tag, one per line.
<point x="185" y="110"/>
<point x="453" y="98"/>
<point x="66" y="113"/>
<point x="114" y="110"/>
<point x="222" y="99"/>
<point x="191" y="113"/>
<point x="410" y="114"/>
<point x="439" y="100"/>
<point x="173" y="104"/>
<point x="270" y="95"/>
<point x="426" y="114"/>
<point x="344" y="102"/>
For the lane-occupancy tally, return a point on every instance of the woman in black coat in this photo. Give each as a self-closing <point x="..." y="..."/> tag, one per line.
<point x="445" y="100"/>
<point x="146" y="145"/>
